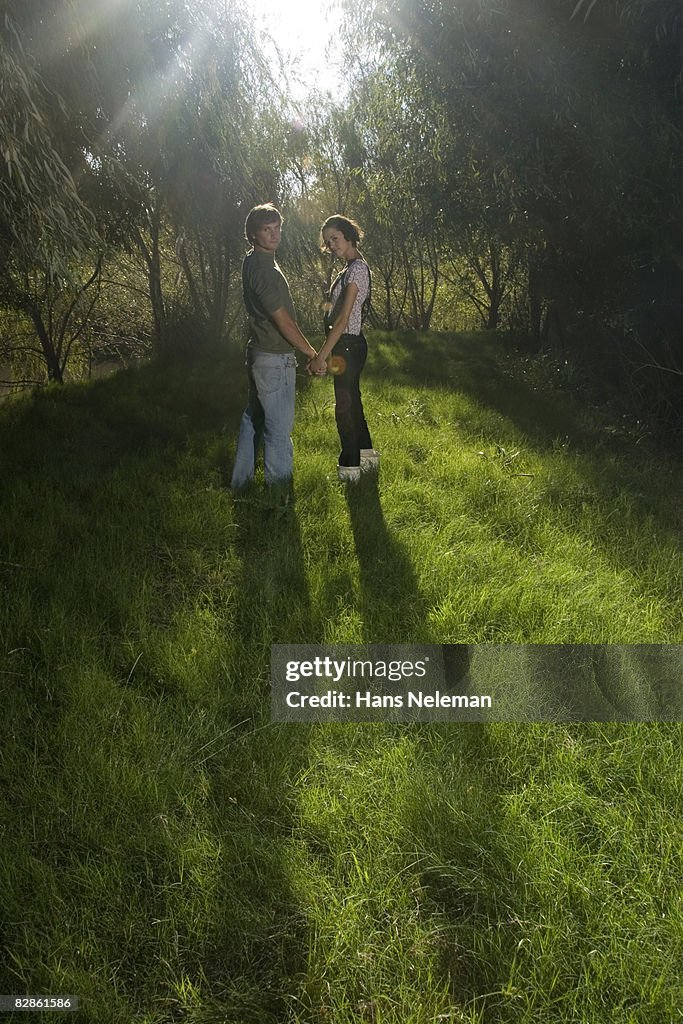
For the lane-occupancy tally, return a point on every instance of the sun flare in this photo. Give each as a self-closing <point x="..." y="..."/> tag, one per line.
<point x="305" y="32"/>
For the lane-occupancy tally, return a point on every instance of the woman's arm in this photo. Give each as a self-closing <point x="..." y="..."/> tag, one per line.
<point x="337" y="329"/>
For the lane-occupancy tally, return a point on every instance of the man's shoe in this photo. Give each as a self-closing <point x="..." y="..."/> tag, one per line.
<point x="369" y="459"/>
<point x="348" y="474"/>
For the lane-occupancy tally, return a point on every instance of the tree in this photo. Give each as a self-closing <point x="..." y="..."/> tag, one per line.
<point x="572" y="127"/>
<point x="172" y="131"/>
<point x="46" y="230"/>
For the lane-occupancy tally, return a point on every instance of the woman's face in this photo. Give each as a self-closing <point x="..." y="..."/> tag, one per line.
<point x="339" y="246"/>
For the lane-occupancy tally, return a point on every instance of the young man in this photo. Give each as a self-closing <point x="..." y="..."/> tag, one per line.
<point x="271" y="363"/>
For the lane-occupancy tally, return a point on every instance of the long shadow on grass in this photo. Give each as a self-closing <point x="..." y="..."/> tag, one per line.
<point x="392" y="605"/>
<point x="274" y="603"/>
<point x="152" y="803"/>
<point x="260" y="937"/>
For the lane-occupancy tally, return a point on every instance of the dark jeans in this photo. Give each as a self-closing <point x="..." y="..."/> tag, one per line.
<point x="350" y="353"/>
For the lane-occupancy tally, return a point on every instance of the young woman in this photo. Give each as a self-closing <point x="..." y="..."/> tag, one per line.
<point x="345" y="349"/>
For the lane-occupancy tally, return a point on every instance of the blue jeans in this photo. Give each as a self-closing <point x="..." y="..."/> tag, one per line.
<point x="268" y="418"/>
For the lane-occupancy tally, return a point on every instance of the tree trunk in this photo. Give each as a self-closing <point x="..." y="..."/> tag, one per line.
<point x="50" y="354"/>
<point x="152" y="256"/>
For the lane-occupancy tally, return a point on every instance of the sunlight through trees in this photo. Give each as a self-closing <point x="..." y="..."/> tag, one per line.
<point x="515" y="165"/>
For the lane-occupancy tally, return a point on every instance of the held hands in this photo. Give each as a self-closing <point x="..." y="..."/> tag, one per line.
<point x="317" y="367"/>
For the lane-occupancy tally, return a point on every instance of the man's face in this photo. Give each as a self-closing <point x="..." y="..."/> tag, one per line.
<point x="267" y="237"/>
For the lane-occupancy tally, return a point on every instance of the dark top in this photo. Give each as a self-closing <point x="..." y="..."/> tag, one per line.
<point x="265" y="290"/>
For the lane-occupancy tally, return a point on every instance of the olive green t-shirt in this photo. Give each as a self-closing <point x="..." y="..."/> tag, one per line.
<point x="265" y="290"/>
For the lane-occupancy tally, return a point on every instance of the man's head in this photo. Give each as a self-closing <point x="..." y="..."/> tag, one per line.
<point x="262" y="227"/>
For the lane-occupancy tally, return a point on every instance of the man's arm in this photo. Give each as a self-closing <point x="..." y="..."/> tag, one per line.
<point x="291" y="332"/>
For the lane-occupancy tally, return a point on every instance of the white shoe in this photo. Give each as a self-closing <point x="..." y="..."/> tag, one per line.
<point x="348" y="474"/>
<point x="369" y="459"/>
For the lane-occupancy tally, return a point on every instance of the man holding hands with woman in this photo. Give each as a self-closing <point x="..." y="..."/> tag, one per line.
<point x="271" y="364"/>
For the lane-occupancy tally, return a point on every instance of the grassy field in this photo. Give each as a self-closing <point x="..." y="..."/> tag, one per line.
<point x="167" y="855"/>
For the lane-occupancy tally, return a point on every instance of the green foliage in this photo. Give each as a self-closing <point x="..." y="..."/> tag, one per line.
<point x="520" y="158"/>
<point x="560" y="140"/>
<point x="43" y="221"/>
<point x="166" y="119"/>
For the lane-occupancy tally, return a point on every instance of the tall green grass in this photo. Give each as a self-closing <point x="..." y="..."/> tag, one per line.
<point x="168" y="855"/>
